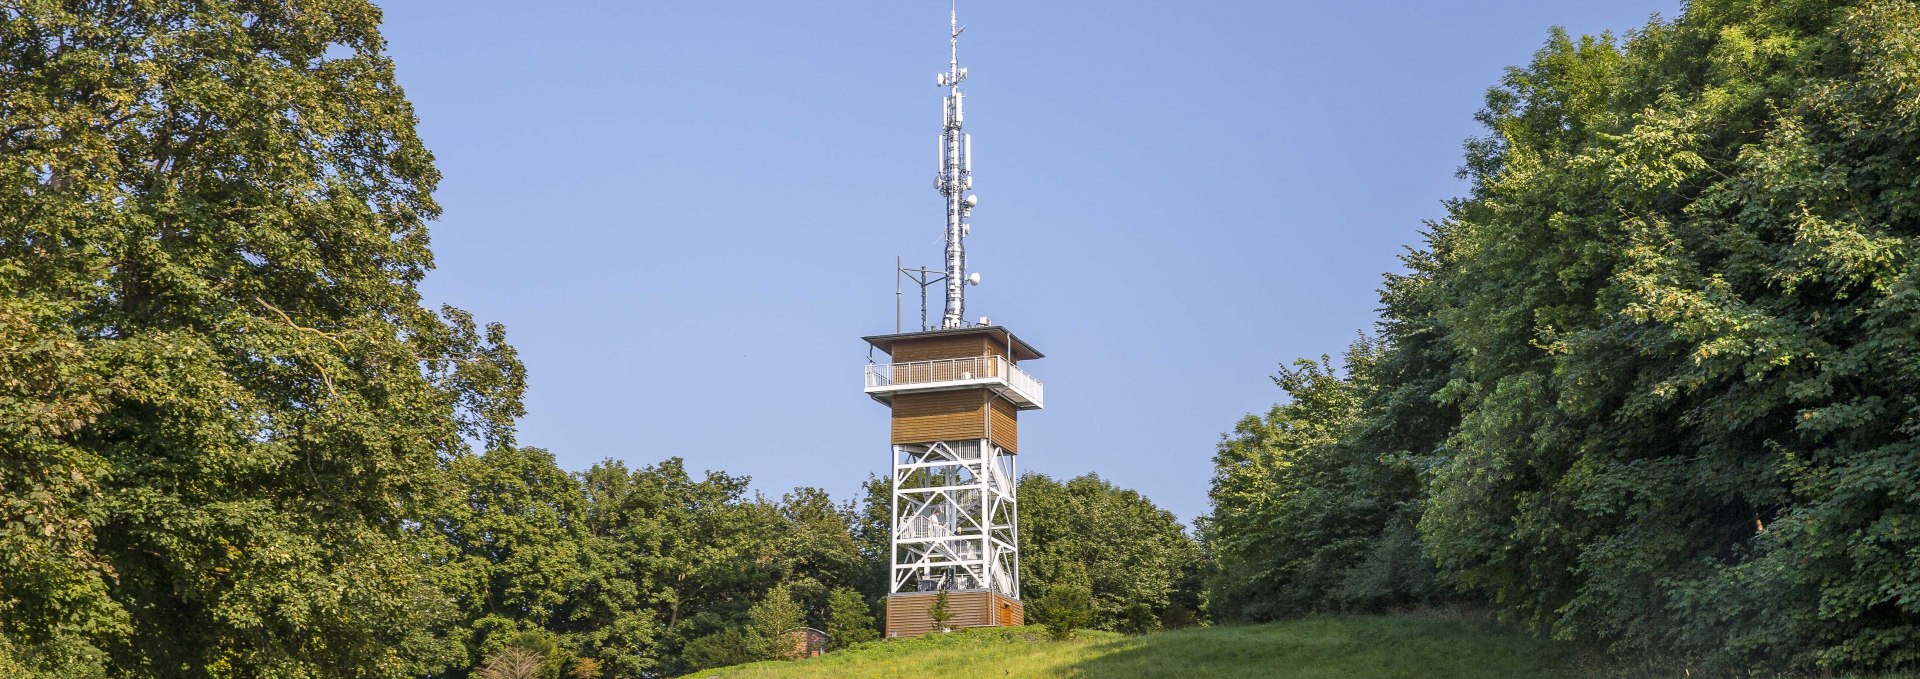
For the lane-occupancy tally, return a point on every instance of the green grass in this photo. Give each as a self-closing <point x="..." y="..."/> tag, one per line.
<point x="1355" y="647"/>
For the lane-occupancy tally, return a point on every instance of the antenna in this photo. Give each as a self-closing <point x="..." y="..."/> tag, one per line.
<point x="955" y="175"/>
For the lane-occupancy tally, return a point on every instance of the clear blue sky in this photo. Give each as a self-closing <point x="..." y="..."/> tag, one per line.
<point x="687" y="212"/>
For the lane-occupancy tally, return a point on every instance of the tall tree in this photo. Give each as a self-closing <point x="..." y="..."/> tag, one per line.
<point x="212" y="222"/>
<point x="772" y="622"/>
<point x="1682" y="294"/>
<point x="1655" y="374"/>
<point x="520" y="547"/>
<point x="1133" y="553"/>
<point x="1314" y="504"/>
<point x="815" y="549"/>
<point x="849" y="619"/>
<point x="872" y="526"/>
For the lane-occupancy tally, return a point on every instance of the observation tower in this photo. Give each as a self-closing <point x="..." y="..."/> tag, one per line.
<point x="956" y="390"/>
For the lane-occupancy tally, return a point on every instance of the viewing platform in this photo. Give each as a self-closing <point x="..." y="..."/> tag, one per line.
<point x="884" y="380"/>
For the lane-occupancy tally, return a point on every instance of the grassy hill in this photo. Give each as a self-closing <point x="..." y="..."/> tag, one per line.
<point x="1345" y="647"/>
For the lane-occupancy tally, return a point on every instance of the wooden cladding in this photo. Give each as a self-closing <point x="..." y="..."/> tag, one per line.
<point x="1009" y="612"/>
<point x="907" y="613"/>
<point x="1003" y="424"/>
<point x="935" y="348"/>
<point x="956" y="415"/>
<point x="939" y="416"/>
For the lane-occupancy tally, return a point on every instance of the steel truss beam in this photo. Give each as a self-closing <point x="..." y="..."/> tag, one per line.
<point x="955" y="518"/>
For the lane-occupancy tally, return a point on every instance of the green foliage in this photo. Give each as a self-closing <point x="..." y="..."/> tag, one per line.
<point x="640" y="571"/>
<point x="1308" y="514"/>
<point x="1178" y="616"/>
<point x="771" y="623"/>
<point x="939" y="612"/>
<point x="849" y="619"/>
<point x="1068" y="603"/>
<point x="225" y="408"/>
<point x="1683" y="293"/>
<point x="68" y="659"/>
<point x="873" y="537"/>
<point x="518" y="544"/>
<point x="1654" y="380"/>
<point x="728" y="646"/>
<point x="1138" y="555"/>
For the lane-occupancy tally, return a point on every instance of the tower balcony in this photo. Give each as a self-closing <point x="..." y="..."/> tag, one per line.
<point x="948" y="374"/>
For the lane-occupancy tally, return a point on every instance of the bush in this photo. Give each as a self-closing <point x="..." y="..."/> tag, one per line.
<point x="1068" y="605"/>
<point x="849" y="619"/>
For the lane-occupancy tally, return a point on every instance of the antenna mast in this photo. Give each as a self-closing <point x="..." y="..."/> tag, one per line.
<point x="955" y="178"/>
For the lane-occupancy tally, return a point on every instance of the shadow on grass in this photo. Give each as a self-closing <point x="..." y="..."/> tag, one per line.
<point x="1344" y="647"/>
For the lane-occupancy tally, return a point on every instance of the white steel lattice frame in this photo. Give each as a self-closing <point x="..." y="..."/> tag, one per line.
<point x="955" y="518"/>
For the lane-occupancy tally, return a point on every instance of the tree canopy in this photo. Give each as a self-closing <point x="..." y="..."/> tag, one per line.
<point x="228" y="410"/>
<point x="238" y="444"/>
<point x="1656" y="374"/>
<point x="1134" y="557"/>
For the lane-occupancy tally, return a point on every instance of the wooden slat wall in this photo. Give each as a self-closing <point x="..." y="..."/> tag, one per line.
<point x="1008" y="612"/>
<point x="938" y="347"/>
<point x="940" y="416"/>
<point x="956" y="415"/>
<point x="1005" y="427"/>
<point x="907" y="613"/>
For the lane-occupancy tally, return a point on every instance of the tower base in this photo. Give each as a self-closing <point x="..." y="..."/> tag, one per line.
<point x="907" y="613"/>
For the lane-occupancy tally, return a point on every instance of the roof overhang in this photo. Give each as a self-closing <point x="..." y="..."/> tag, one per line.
<point x="1021" y="350"/>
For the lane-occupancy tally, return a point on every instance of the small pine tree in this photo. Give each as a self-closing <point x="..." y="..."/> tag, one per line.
<point x="770" y="623"/>
<point x="849" y="619"/>
<point x="585" y="668"/>
<point x="939" y="611"/>
<point x="1068" y="604"/>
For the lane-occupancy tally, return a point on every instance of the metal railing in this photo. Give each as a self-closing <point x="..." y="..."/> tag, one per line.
<point x="994" y="368"/>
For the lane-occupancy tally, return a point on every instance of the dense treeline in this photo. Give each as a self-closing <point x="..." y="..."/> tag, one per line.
<point x="1655" y="381"/>
<point x="1126" y="564"/>
<point x="627" y="571"/>
<point x="1130" y="560"/>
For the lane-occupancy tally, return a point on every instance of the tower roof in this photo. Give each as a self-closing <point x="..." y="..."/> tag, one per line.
<point x="1020" y="350"/>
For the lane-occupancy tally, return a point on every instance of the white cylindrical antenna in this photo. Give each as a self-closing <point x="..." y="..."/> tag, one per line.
<point x="955" y="168"/>
<point x="969" y="145"/>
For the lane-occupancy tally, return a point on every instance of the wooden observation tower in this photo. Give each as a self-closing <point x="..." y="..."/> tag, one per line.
<point x="956" y="396"/>
<point x="956" y="391"/>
